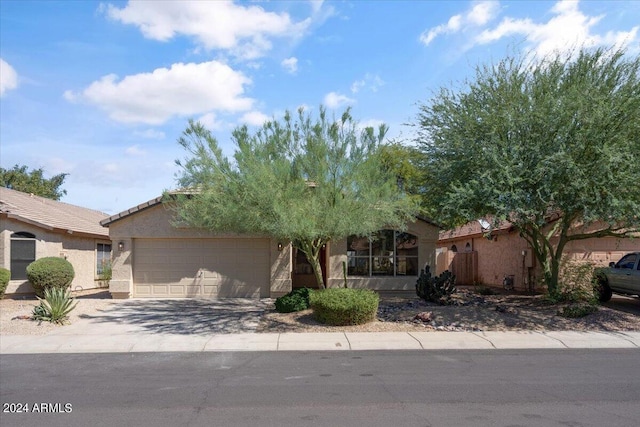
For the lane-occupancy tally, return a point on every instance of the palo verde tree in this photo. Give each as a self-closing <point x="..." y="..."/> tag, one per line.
<point x="552" y="146"/>
<point x="19" y="178"/>
<point x="299" y="180"/>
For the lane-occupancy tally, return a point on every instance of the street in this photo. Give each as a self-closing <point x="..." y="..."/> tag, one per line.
<point x="373" y="388"/>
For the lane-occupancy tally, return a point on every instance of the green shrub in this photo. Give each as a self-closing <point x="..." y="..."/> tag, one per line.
<point x="436" y="289"/>
<point x="576" y="283"/>
<point x="50" y="272"/>
<point x="296" y="300"/>
<point x="55" y="307"/>
<point x="575" y="311"/>
<point x="5" y="276"/>
<point x="340" y="306"/>
<point x="484" y="290"/>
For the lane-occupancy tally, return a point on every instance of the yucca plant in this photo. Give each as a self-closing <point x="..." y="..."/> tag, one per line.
<point x="55" y="307"/>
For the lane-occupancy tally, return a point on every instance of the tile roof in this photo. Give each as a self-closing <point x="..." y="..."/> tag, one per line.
<point x="51" y="214"/>
<point x="473" y="228"/>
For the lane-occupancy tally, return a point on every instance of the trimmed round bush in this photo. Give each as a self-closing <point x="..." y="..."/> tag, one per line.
<point x="50" y="272"/>
<point x="342" y="307"/>
<point x="5" y="276"/>
<point x="296" y="300"/>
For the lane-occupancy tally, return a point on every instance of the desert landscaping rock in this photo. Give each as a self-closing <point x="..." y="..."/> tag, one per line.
<point x="468" y="313"/>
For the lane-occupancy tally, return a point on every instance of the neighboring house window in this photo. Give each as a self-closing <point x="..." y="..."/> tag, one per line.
<point x="23" y="253"/>
<point x="454" y="248"/>
<point x="103" y="258"/>
<point x="467" y="248"/>
<point x="385" y="253"/>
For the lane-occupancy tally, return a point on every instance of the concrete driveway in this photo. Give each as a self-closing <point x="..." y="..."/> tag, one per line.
<point x="624" y="303"/>
<point x="174" y="316"/>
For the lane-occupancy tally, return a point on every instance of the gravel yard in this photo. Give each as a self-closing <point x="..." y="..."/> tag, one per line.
<point x="396" y="313"/>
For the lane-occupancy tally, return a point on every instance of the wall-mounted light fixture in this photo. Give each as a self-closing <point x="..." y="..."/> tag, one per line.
<point x="280" y="246"/>
<point x="121" y="246"/>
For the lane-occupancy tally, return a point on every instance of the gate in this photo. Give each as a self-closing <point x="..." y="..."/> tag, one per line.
<point x="465" y="267"/>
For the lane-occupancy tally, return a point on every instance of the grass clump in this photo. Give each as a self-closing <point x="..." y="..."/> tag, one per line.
<point x="342" y="307"/>
<point x="296" y="300"/>
<point x="575" y="311"/>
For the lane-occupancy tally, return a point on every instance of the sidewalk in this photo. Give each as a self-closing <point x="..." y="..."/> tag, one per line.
<point x="119" y="340"/>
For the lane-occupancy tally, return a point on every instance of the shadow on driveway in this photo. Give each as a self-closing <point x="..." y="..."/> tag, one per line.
<point x="185" y="316"/>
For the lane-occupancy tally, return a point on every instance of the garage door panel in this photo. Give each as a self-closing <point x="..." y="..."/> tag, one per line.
<point x="201" y="267"/>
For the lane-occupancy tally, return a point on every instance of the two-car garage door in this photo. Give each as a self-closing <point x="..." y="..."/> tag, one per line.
<point x="209" y="268"/>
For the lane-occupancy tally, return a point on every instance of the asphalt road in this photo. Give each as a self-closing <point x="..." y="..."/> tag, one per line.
<point x="399" y="388"/>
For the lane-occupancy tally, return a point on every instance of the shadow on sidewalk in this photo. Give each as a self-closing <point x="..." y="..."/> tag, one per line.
<point x="185" y="316"/>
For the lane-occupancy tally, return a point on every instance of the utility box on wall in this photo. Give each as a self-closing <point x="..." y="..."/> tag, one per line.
<point x="529" y="259"/>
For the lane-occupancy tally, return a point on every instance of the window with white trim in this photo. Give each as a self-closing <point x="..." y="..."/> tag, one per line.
<point x="23" y="253"/>
<point x="385" y="253"/>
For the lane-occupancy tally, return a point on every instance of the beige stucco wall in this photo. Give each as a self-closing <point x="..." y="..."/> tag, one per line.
<point x="427" y="237"/>
<point x="79" y="251"/>
<point x="156" y="222"/>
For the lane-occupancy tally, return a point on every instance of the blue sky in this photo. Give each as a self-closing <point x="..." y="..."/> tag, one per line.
<point x="102" y="90"/>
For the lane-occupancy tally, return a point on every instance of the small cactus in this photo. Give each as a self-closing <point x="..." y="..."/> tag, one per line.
<point x="436" y="289"/>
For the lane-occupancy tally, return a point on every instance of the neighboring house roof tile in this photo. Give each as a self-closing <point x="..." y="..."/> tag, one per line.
<point x="51" y="214"/>
<point x="472" y="229"/>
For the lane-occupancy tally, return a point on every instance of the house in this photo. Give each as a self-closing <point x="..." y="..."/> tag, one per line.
<point x="478" y="254"/>
<point x="33" y="227"/>
<point x="154" y="258"/>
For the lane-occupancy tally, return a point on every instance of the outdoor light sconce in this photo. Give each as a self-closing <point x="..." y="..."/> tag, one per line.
<point x="280" y="246"/>
<point x="121" y="246"/>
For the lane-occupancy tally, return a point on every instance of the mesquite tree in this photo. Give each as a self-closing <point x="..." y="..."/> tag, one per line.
<point x="299" y="180"/>
<point x="551" y="145"/>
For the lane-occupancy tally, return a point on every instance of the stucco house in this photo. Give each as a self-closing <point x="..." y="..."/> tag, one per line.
<point x="33" y="227"/>
<point x="478" y="255"/>
<point x="154" y="258"/>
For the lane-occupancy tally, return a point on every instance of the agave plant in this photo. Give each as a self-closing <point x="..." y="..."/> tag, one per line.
<point x="55" y="307"/>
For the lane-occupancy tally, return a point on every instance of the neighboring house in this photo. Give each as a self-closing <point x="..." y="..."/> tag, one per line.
<point x="489" y="255"/>
<point x="154" y="258"/>
<point x="33" y="227"/>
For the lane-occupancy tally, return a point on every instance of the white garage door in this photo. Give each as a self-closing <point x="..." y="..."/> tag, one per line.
<point x="208" y="268"/>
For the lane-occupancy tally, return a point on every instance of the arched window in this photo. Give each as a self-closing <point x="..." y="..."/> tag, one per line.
<point x="23" y="253"/>
<point x="467" y="248"/>
<point x="454" y="248"/>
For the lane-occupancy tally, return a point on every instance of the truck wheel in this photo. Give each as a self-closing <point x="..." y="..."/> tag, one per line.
<point x="604" y="291"/>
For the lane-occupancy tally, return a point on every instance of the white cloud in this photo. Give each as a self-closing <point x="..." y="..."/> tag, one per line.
<point x="150" y="134"/>
<point x="336" y="100"/>
<point x="209" y="121"/>
<point x="245" y="31"/>
<point x="290" y="65"/>
<point x="254" y="118"/>
<point x="370" y="81"/>
<point x="182" y="90"/>
<point x="568" y="28"/>
<point x="8" y="77"/>
<point x="478" y="15"/>
<point x="370" y="123"/>
<point x="135" y="150"/>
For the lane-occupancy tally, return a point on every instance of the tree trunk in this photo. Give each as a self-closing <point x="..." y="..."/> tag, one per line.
<point x="317" y="270"/>
<point x="312" y="252"/>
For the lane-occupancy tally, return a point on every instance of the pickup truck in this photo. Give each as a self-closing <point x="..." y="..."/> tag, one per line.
<point x="622" y="277"/>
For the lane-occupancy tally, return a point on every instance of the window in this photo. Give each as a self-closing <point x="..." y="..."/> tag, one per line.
<point x="385" y="253"/>
<point x="103" y="257"/>
<point x="23" y="253"/>
<point x="627" y="262"/>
